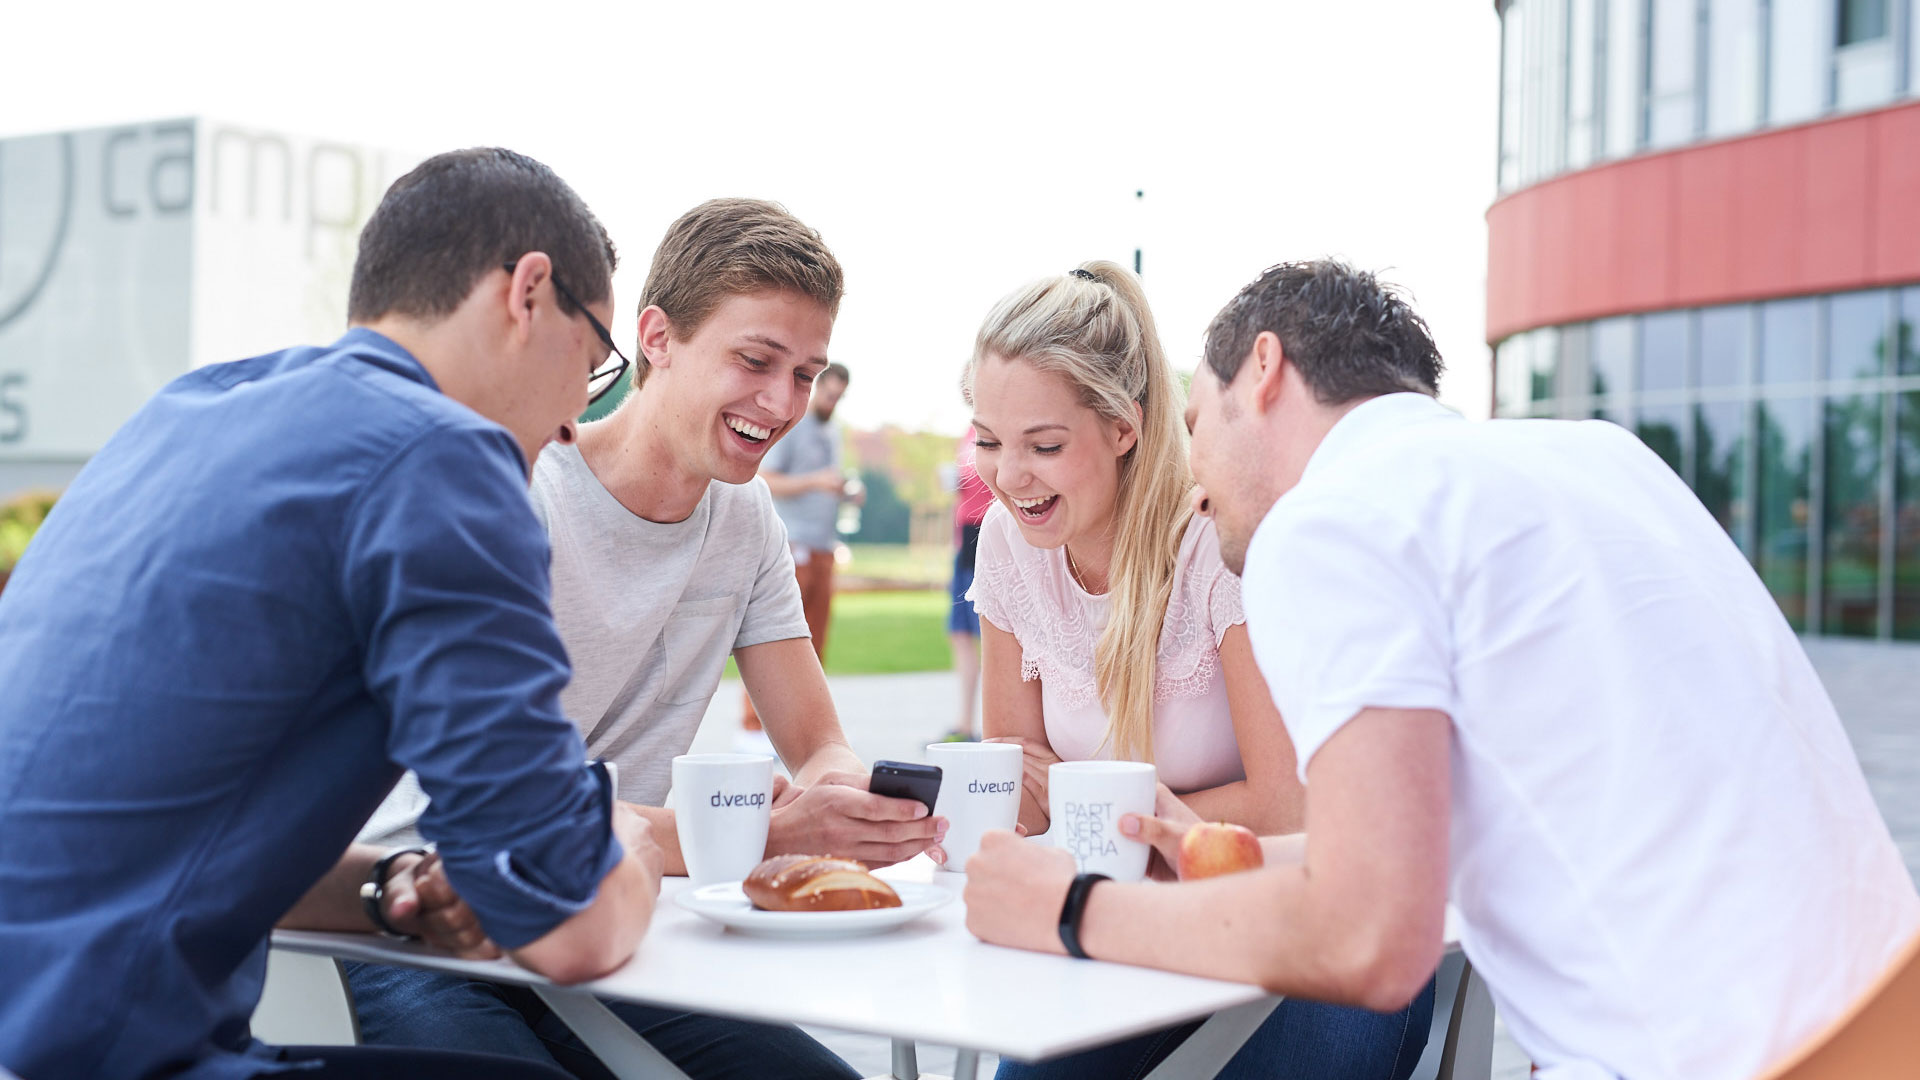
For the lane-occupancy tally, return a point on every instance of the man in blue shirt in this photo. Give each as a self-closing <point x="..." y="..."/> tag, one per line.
<point x="280" y="583"/>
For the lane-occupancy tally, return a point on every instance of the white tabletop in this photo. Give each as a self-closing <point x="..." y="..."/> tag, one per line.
<point x="929" y="981"/>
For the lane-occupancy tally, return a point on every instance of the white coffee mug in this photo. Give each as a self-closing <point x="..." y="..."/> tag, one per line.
<point x="721" y="806"/>
<point x="1085" y="799"/>
<point x="979" y="790"/>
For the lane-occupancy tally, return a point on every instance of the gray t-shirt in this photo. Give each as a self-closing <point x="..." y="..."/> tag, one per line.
<point x="812" y="445"/>
<point x="648" y="613"/>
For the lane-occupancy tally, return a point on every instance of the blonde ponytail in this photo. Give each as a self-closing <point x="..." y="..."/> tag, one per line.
<point x="1093" y="327"/>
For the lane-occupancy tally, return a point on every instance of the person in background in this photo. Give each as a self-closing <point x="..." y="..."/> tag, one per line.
<point x="1112" y="629"/>
<point x="804" y="473"/>
<point x="973" y="500"/>
<point x="283" y="581"/>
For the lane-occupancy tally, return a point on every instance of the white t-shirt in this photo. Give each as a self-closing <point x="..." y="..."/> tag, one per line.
<point x="1027" y="592"/>
<point x="1663" y="850"/>
<point x="649" y="613"/>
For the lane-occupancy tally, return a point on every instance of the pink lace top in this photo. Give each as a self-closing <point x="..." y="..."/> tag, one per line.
<point x="1027" y="592"/>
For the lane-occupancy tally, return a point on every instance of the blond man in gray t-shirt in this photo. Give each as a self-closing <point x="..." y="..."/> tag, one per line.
<point x="667" y="557"/>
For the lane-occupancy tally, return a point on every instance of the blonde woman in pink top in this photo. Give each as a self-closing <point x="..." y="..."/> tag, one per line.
<point x="1110" y="628"/>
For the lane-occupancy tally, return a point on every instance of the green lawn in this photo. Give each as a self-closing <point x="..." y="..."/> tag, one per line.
<point x="921" y="564"/>
<point x="876" y="633"/>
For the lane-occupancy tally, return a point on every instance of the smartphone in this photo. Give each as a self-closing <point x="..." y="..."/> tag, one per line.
<point x="905" y="780"/>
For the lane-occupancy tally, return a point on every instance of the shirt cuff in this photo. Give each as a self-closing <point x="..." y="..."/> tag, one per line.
<point x="516" y="908"/>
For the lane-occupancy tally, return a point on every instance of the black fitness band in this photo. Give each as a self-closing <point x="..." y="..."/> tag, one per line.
<point x="1070" y="912"/>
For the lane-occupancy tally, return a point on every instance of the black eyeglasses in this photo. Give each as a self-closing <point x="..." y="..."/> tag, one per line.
<point x="604" y="377"/>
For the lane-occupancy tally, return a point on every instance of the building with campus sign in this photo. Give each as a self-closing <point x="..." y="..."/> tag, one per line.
<point x="1708" y="230"/>
<point x="131" y="254"/>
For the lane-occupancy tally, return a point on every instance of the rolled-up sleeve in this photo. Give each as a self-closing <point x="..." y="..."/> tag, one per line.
<point x="774" y="612"/>
<point x="447" y="582"/>
<point x="1344" y="613"/>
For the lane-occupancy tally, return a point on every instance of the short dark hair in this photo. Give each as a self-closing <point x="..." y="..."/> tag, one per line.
<point x="461" y="215"/>
<point x="1350" y="335"/>
<point x="835" y="370"/>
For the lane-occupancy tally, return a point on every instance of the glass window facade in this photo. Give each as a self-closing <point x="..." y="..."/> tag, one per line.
<point x="1786" y="342"/>
<point x="1905" y="588"/>
<point x="1611" y="360"/>
<point x="1857" y="335"/>
<point x="1796" y="422"/>
<point x="1800" y="43"/>
<point x="1664" y="360"/>
<point x="1862" y="20"/>
<point x="1720" y="442"/>
<point x="1726" y="336"/>
<point x="1584" y="81"/>
<point x="1786" y="473"/>
<point x="1850" y="517"/>
<point x="1625" y="75"/>
<point x="1664" y="428"/>
<point x="1733" y="66"/>
<point x="1670" y="72"/>
<point x="1907" y="333"/>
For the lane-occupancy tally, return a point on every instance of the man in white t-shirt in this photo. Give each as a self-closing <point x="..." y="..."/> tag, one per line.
<point x="667" y="557"/>
<point x="1525" y="672"/>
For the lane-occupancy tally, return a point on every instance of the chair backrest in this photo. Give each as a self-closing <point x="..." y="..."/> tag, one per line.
<point x="305" y="1003"/>
<point x="1878" y="1036"/>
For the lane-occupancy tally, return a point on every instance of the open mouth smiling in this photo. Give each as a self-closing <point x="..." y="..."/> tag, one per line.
<point x="751" y="434"/>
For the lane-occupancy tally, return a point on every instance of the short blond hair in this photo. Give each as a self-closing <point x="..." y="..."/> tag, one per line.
<point x="728" y="247"/>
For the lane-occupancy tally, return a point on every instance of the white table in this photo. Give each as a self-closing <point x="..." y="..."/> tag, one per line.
<point x="930" y="981"/>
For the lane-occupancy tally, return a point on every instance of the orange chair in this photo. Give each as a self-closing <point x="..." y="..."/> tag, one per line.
<point x="1878" y="1036"/>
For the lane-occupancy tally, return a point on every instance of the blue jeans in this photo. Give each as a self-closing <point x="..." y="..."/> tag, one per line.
<point x="1302" y="1040"/>
<point x="408" y="1007"/>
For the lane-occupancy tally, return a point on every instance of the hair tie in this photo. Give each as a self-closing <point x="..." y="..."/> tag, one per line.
<point x="1079" y="273"/>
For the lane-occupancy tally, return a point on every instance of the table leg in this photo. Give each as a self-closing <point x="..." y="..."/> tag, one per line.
<point x="906" y="1063"/>
<point x="966" y="1065"/>
<point x="621" y="1049"/>
<point x="1208" y="1050"/>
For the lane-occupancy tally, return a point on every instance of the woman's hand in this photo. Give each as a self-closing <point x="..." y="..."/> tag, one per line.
<point x="1036" y="756"/>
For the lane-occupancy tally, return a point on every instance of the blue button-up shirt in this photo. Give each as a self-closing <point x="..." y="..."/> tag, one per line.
<point x="282" y="582"/>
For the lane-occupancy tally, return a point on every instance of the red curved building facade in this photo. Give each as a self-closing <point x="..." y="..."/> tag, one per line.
<point x="1709" y="232"/>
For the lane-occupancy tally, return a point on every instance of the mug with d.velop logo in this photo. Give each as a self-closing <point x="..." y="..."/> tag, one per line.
<point x="722" y="805"/>
<point x="979" y="790"/>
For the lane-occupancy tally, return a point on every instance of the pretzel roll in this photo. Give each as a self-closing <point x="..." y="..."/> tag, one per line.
<point x="816" y="883"/>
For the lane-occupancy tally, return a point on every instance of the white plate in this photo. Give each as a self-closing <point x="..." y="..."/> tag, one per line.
<point x="725" y="904"/>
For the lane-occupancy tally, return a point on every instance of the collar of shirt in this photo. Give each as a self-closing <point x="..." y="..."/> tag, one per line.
<point x="1366" y="422"/>
<point x="382" y="351"/>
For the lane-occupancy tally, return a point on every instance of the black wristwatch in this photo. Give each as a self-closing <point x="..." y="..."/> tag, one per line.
<point x="374" y="890"/>
<point x="1070" y="911"/>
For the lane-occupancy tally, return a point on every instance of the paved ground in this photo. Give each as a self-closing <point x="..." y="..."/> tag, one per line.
<point x="1876" y="689"/>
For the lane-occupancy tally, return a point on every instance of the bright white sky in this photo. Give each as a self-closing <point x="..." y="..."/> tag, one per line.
<point x="948" y="153"/>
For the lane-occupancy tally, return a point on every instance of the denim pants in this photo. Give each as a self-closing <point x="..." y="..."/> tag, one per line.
<point x="407" y="1007"/>
<point x="1302" y="1040"/>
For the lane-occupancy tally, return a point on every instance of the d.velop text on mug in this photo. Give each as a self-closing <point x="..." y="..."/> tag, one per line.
<point x="979" y="790"/>
<point x="722" y="806"/>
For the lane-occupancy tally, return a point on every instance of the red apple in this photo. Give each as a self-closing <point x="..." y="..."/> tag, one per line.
<point x="1212" y="848"/>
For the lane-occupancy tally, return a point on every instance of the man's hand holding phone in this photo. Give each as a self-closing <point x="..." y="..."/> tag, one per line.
<point x="841" y="816"/>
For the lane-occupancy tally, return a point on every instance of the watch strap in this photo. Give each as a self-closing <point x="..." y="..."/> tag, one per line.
<point x="1071" y="910"/>
<point x="374" y="892"/>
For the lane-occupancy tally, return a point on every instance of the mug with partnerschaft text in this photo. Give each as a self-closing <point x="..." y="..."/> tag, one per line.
<point x="1085" y="800"/>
